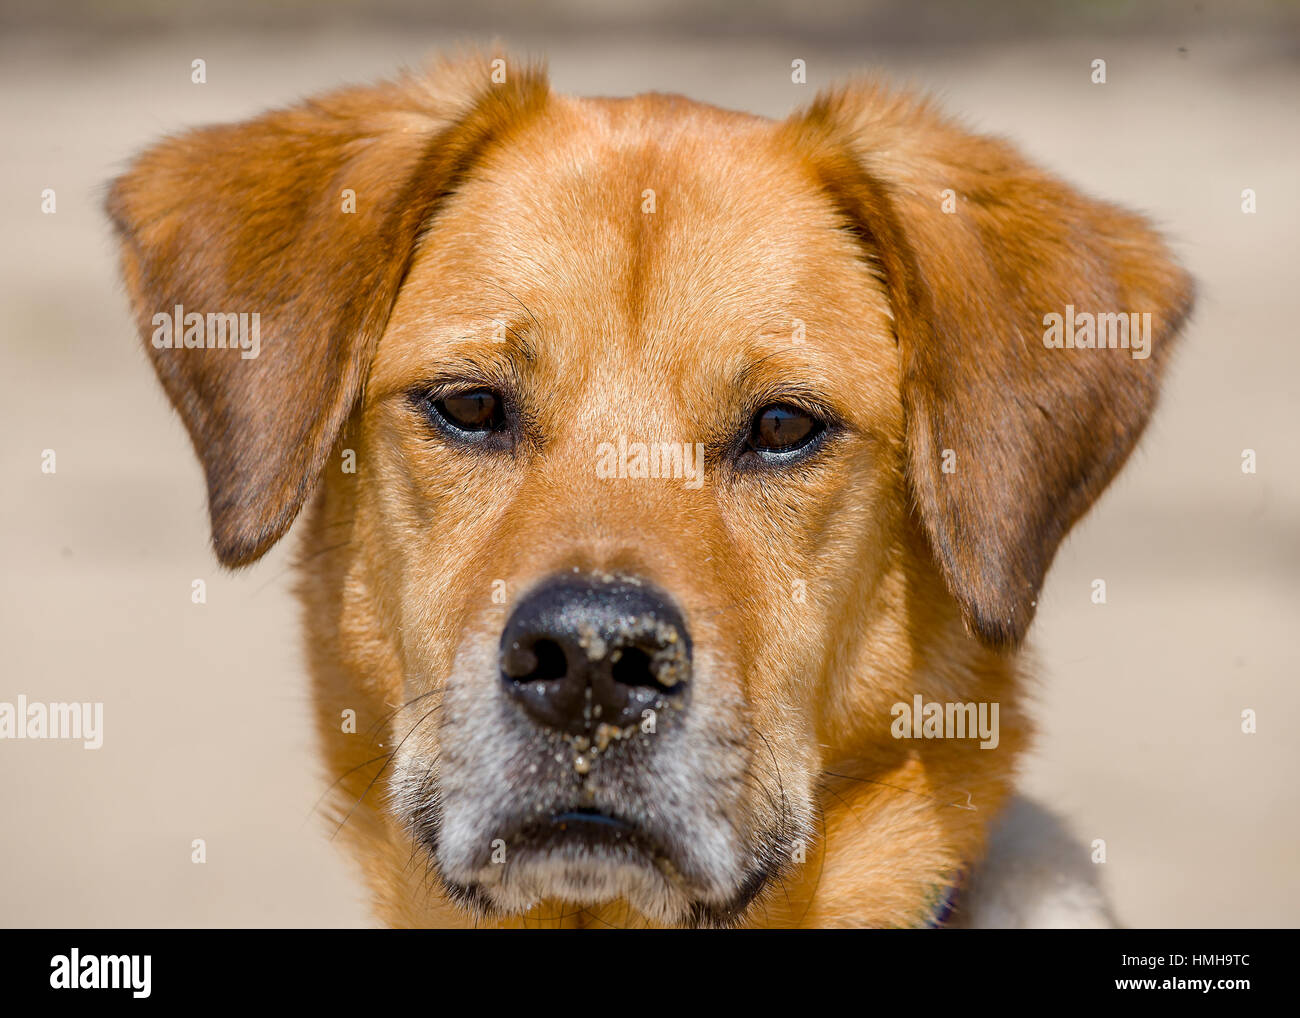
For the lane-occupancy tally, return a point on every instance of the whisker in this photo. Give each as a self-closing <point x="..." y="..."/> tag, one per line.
<point x="383" y="768"/>
<point x="298" y="562"/>
<point x="374" y="728"/>
<point x="333" y="784"/>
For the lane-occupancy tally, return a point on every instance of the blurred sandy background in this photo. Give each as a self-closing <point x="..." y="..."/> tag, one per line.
<point x="206" y="707"/>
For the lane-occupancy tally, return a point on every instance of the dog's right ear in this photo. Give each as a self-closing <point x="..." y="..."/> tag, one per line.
<point x="308" y="218"/>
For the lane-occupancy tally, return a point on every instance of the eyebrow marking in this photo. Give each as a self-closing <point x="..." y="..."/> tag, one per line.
<point x="751" y="367"/>
<point x="529" y="352"/>
<point x="500" y="366"/>
<point x="515" y="338"/>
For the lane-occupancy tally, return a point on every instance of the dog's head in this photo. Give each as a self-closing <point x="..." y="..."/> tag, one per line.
<point x="656" y="453"/>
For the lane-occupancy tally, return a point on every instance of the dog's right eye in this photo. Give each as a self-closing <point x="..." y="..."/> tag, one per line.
<point x="472" y="415"/>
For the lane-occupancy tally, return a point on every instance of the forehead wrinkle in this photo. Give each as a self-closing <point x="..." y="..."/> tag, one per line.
<point x="715" y="189"/>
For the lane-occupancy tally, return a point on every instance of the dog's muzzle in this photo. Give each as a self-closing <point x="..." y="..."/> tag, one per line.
<point x="592" y="757"/>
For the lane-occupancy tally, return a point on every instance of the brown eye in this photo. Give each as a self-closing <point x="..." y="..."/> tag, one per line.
<point x="477" y="411"/>
<point x="779" y="429"/>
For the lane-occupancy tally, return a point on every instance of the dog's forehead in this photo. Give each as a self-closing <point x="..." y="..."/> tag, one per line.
<point x="660" y="225"/>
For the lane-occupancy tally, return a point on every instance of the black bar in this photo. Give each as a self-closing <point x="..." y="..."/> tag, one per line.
<point x="585" y="969"/>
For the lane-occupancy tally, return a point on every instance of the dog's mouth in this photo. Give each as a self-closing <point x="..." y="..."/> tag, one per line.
<point x="590" y="837"/>
<point x="586" y="828"/>
<point x="586" y="856"/>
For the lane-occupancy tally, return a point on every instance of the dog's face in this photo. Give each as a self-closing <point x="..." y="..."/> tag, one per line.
<point x="658" y="452"/>
<point x="667" y="427"/>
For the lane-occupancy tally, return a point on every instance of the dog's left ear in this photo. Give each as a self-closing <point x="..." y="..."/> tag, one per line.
<point x="1012" y="430"/>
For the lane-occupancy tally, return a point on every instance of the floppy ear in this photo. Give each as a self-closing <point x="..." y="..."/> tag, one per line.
<point x="257" y="219"/>
<point x="979" y="249"/>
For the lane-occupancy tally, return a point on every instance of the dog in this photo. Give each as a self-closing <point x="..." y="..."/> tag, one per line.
<point x="678" y="484"/>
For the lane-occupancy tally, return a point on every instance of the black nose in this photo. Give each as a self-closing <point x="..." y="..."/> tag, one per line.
<point x="578" y="653"/>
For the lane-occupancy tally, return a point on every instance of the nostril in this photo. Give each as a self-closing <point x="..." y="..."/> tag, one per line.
<point x="544" y="661"/>
<point x="662" y="667"/>
<point x="551" y="661"/>
<point x="632" y="667"/>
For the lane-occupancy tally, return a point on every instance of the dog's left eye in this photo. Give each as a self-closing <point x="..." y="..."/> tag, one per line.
<point x="780" y="432"/>
<point x="479" y="410"/>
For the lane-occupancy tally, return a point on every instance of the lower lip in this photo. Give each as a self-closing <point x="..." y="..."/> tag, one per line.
<point x="598" y="834"/>
<point x="596" y="820"/>
<point x="590" y="831"/>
